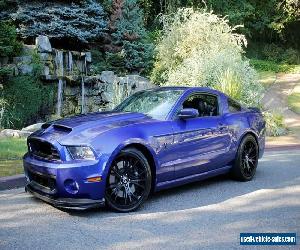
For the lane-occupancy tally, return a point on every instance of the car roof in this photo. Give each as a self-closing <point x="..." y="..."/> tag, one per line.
<point x="187" y="89"/>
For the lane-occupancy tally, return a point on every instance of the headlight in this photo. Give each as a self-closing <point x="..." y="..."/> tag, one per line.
<point x="81" y="152"/>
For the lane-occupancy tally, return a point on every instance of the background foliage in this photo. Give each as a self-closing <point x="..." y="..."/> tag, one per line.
<point x="81" y="22"/>
<point x="9" y="46"/>
<point x="27" y="100"/>
<point x="193" y="47"/>
<point x="185" y="56"/>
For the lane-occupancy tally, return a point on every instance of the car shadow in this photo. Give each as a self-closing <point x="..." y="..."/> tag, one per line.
<point x="212" y="191"/>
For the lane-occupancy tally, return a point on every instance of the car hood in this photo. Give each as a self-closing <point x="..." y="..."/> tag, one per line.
<point x="81" y="129"/>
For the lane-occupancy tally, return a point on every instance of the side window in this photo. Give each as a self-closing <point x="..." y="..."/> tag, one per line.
<point x="233" y="106"/>
<point x="207" y="105"/>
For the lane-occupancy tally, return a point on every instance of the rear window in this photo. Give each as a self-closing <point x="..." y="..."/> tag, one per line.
<point x="233" y="106"/>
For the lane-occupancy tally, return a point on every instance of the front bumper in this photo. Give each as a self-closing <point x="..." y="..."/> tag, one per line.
<point x="48" y="182"/>
<point x="69" y="203"/>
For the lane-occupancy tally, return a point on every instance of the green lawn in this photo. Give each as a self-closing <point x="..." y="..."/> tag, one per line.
<point x="11" y="152"/>
<point x="294" y="100"/>
<point x="8" y="168"/>
<point x="11" y="148"/>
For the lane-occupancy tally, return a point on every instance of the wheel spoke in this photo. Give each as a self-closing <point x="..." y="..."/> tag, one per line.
<point x="249" y="158"/>
<point x="116" y="171"/>
<point x="138" y="184"/>
<point x="129" y="184"/>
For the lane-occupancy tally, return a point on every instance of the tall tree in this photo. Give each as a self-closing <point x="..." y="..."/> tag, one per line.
<point x="129" y="36"/>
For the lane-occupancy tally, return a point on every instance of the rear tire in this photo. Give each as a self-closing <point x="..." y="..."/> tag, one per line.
<point x="129" y="181"/>
<point x="244" y="167"/>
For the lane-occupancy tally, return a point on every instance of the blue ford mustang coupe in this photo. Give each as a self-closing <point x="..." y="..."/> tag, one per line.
<point x="155" y="139"/>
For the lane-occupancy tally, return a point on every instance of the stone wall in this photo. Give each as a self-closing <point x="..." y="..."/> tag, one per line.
<point x="102" y="92"/>
<point x="70" y="72"/>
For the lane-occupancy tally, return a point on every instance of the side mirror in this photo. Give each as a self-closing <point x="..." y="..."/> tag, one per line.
<point x="188" y="113"/>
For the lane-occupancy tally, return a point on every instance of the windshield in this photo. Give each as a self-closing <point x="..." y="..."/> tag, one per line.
<point x="155" y="103"/>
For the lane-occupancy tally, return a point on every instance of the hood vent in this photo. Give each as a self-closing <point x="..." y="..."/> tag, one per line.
<point x="62" y="128"/>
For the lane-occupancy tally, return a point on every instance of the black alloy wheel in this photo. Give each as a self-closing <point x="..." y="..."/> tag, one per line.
<point x="246" y="161"/>
<point x="129" y="181"/>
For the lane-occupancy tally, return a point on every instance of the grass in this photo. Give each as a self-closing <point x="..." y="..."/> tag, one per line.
<point x="11" y="152"/>
<point x="12" y="148"/>
<point x="294" y="100"/>
<point x="264" y="65"/>
<point x="8" y="167"/>
<point x="267" y="78"/>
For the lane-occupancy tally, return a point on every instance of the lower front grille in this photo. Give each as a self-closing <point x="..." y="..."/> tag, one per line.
<point x="45" y="181"/>
<point x="42" y="149"/>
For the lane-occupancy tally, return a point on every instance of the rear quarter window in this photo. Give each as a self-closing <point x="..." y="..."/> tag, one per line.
<point x="234" y="106"/>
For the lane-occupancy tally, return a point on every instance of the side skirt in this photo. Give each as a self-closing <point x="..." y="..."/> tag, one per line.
<point x="192" y="178"/>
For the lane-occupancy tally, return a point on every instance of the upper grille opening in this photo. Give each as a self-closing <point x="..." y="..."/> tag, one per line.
<point x="43" y="149"/>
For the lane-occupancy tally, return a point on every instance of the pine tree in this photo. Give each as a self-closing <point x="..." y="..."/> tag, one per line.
<point x="81" y="22"/>
<point x="129" y="33"/>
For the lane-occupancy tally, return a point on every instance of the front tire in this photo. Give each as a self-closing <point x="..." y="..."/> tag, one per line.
<point x="129" y="181"/>
<point x="244" y="167"/>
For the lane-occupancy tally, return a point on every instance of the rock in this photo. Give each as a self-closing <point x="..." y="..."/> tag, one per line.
<point x="25" y="69"/>
<point x="73" y="78"/>
<point x="49" y="77"/>
<point x="76" y="54"/>
<point x="108" y="77"/>
<point x="136" y="82"/>
<point x="28" y="49"/>
<point x="22" y="59"/>
<point x="88" y="56"/>
<point x="7" y="133"/>
<point x="106" y="97"/>
<point x="43" y="44"/>
<point x="72" y="91"/>
<point x="46" y="56"/>
<point x="33" y="127"/>
<point x="46" y="71"/>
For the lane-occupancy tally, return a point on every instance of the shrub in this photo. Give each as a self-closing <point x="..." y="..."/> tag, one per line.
<point x="291" y="56"/>
<point x="9" y="46"/>
<point x="272" y="52"/>
<point x="274" y="124"/>
<point x="263" y="65"/>
<point x="199" y="48"/>
<point x="26" y="100"/>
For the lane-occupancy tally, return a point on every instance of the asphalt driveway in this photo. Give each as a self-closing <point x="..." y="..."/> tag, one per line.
<point x="204" y="215"/>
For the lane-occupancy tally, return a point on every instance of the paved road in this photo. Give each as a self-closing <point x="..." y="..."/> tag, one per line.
<point x="206" y="215"/>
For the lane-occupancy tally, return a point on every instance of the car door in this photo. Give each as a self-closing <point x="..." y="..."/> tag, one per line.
<point x="200" y="143"/>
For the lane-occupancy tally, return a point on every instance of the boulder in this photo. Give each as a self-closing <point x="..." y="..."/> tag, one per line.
<point x="6" y="133"/>
<point x="25" y="69"/>
<point x="106" y="97"/>
<point x="43" y="44"/>
<point x="46" y="71"/>
<point x="46" y="56"/>
<point x="22" y="59"/>
<point x="108" y="77"/>
<point x="33" y="127"/>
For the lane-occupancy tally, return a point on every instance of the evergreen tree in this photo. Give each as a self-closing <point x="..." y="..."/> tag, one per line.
<point x="129" y="34"/>
<point x="81" y="22"/>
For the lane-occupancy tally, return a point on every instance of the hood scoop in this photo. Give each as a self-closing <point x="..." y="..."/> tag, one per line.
<point x="62" y="128"/>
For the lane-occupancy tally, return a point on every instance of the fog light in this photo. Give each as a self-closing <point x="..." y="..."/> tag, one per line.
<point x="71" y="186"/>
